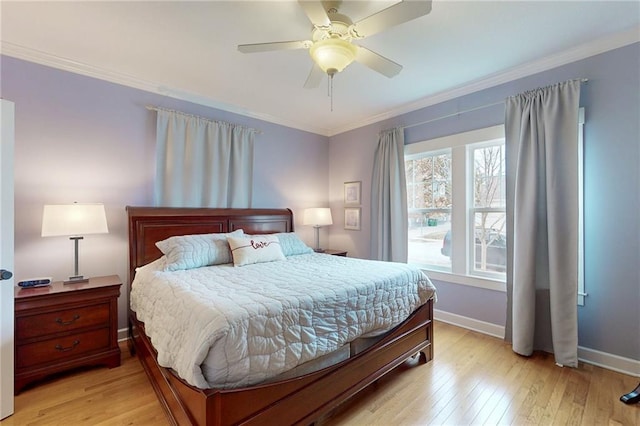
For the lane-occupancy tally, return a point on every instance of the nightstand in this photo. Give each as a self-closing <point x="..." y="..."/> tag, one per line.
<point x="64" y="326"/>
<point x="336" y="252"/>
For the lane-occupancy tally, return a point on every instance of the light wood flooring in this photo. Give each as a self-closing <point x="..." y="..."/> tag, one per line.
<point x="473" y="379"/>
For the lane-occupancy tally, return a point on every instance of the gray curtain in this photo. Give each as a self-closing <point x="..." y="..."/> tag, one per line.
<point x="389" y="217"/>
<point x="541" y="128"/>
<point x="202" y="163"/>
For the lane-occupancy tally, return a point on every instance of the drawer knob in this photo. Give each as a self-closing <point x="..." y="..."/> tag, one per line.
<point x="63" y="349"/>
<point x="76" y="317"/>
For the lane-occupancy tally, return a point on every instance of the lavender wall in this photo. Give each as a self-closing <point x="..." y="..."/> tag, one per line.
<point x="87" y="140"/>
<point x="82" y="139"/>
<point x="610" y="320"/>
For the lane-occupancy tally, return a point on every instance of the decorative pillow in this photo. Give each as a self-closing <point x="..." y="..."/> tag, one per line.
<point x="255" y="249"/>
<point x="194" y="251"/>
<point x="292" y="245"/>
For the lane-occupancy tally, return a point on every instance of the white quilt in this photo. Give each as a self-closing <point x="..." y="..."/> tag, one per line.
<point x="225" y="327"/>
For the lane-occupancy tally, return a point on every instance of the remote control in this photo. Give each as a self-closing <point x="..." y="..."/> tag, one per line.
<point x="35" y="282"/>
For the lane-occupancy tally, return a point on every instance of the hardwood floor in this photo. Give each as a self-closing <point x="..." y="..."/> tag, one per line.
<point x="97" y="396"/>
<point x="473" y="379"/>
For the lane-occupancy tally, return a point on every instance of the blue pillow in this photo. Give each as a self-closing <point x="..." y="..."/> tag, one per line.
<point x="194" y="251"/>
<point x="292" y="245"/>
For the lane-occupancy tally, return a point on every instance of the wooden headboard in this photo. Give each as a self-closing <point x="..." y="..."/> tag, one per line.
<point x="148" y="225"/>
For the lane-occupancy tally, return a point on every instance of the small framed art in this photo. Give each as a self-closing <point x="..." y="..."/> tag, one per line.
<point x="352" y="218"/>
<point x="352" y="192"/>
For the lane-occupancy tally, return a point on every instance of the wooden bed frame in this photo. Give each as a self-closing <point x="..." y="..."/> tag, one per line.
<point x="300" y="400"/>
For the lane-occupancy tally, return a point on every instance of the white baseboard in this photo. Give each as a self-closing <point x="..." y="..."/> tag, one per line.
<point x="590" y="356"/>
<point x="609" y="361"/>
<point x="123" y="334"/>
<point x="470" y="323"/>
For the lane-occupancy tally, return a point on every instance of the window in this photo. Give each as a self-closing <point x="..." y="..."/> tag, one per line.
<point x="488" y="210"/>
<point x="456" y="195"/>
<point x="429" y="203"/>
<point x="456" y="202"/>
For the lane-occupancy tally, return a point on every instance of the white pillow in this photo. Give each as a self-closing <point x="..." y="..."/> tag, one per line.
<point x="194" y="251"/>
<point x="290" y="243"/>
<point x="255" y="249"/>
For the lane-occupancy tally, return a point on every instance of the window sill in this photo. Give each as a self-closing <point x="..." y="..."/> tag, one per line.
<point x="480" y="282"/>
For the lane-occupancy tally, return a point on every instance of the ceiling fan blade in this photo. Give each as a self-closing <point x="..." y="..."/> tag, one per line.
<point x="314" y="78"/>
<point x="315" y="12"/>
<point x="279" y="45"/>
<point x="397" y="14"/>
<point x="377" y="63"/>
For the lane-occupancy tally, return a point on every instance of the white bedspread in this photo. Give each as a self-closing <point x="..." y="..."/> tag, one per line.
<point x="226" y="327"/>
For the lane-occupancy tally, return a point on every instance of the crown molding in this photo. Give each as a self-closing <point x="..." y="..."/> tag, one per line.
<point x="580" y="52"/>
<point x="65" y="64"/>
<point x="566" y="57"/>
<point x="209" y="102"/>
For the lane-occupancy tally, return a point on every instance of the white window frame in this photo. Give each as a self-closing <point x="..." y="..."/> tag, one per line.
<point x="461" y="165"/>
<point x="471" y="209"/>
<point x="581" y="289"/>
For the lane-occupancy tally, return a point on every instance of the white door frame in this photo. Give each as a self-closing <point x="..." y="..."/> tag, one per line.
<point x="7" y="110"/>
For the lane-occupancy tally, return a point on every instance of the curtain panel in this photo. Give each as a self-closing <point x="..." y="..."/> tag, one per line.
<point x="202" y="163"/>
<point x="541" y="129"/>
<point x="389" y="218"/>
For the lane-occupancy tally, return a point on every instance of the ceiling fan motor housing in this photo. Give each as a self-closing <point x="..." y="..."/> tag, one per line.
<point x="340" y="27"/>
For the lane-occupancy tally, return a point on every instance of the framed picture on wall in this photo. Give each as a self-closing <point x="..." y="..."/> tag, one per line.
<point x="352" y="192"/>
<point x="352" y="218"/>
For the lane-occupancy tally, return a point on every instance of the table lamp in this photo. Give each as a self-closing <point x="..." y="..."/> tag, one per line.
<point x="74" y="220"/>
<point x="317" y="217"/>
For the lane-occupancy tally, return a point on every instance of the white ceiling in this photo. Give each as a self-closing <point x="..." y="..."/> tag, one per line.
<point x="189" y="50"/>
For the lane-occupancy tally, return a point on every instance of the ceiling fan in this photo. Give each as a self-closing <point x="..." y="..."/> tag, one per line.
<point x="331" y="46"/>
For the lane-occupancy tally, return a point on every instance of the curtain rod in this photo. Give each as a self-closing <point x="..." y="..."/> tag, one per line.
<point x="582" y="80"/>
<point x="155" y="108"/>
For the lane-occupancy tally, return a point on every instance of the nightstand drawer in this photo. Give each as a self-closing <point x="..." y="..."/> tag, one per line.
<point x="61" y="348"/>
<point x="60" y="321"/>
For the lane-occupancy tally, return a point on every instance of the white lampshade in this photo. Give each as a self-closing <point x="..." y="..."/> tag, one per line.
<point x="318" y="216"/>
<point x="73" y="219"/>
<point x="333" y="54"/>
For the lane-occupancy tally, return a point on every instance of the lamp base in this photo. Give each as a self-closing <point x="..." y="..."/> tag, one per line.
<point x="318" y="250"/>
<point x="76" y="279"/>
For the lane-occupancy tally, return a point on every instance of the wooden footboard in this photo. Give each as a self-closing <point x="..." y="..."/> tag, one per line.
<point x="295" y="401"/>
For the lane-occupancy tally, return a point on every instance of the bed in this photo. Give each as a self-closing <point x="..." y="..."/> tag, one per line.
<point x="301" y="399"/>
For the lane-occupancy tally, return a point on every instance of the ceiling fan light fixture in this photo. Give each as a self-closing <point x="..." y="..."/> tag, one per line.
<point x="333" y="54"/>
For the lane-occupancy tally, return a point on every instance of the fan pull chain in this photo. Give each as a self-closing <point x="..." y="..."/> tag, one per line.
<point x="330" y="72"/>
<point x="329" y="84"/>
<point x="331" y="89"/>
